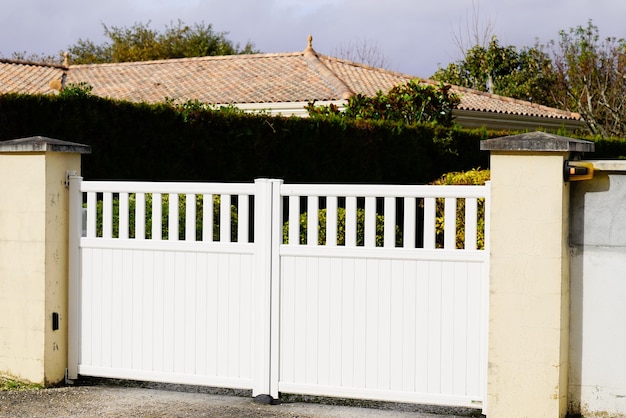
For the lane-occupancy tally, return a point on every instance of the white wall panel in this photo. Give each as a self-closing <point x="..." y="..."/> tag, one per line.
<point x="159" y="313"/>
<point x="396" y="329"/>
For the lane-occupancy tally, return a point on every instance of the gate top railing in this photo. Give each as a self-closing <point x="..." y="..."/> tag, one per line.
<point x="369" y="216"/>
<point x="207" y="212"/>
<point x="426" y="217"/>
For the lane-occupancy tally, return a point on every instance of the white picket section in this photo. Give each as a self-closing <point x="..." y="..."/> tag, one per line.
<point x="371" y="302"/>
<point x="165" y="310"/>
<point x="406" y="323"/>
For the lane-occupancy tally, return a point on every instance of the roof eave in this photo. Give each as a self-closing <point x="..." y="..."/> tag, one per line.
<point x="511" y="122"/>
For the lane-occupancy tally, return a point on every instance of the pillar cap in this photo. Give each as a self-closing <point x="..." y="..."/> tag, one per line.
<point x="43" y="144"/>
<point x="537" y="141"/>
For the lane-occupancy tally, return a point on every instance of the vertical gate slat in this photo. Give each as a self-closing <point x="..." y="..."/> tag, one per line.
<point x="92" y="210"/>
<point x="190" y="217"/>
<point x="429" y="222"/>
<point x="243" y="219"/>
<point x="140" y="216"/>
<point x="225" y="218"/>
<point x="390" y="222"/>
<point x="351" y="219"/>
<point x="157" y="216"/>
<point x="107" y="214"/>
<point x="471" y="214"/>
<point x="312" y="220"/>
<point x="449" y="231"/>
<point x="207" y="217"/>
<point x="294" y="220"/>
<point x="370" y="222"/>
<point x="123" y="216"/>
<point x="173" y="219"/>
<point x="408" y="231"/>
<point x="331" y="221"/>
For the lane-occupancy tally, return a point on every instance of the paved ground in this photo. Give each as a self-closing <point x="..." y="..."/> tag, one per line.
<point x="117" y="401"/>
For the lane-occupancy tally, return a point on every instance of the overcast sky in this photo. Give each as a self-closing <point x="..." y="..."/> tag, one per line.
<point x="414" y="36"/>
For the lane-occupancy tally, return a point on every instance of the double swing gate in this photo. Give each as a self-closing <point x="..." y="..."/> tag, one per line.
<point x="372" y="292"/>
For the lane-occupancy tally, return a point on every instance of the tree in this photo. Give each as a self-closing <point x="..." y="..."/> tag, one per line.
<point x="141" y="43"/>
<point x="39" y="58"/>
<point x="526" y="74"/>
<point x="410" y="103"/>
<point x="591" y="78"/>
<point x="362" y="51"/>
<point x="581" y="72"/>
<point x="474" y="31"/>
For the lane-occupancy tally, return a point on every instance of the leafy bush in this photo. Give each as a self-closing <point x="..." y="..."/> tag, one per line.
<point x="132" y="203"/>
<point x="467" y="178"/>
<point x="341" y="228"/>
<point x="410" y="103"/>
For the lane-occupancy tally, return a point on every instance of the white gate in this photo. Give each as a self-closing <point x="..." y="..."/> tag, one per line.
<point x="352" y="291"/>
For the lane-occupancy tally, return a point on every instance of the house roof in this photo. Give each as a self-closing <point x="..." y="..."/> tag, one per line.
<point x="297" y="77"/>
<point x="30" y="77"/>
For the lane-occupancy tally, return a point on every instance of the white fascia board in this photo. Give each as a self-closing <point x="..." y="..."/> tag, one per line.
<point x="286" y="108"/>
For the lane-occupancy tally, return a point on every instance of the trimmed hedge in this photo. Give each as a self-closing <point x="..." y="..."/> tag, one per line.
<point x="156" y="142"/>
<point x="159" y="142"/>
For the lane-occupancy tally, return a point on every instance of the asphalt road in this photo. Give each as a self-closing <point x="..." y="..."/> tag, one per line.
<point x="116" y="401"/>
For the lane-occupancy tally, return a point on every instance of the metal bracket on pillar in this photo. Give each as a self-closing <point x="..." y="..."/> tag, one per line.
<point x="68" y="174"/>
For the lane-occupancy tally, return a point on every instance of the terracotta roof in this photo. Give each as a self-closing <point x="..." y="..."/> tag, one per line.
<point x="248" y="79"/>
<point x="29" y="77"/>
<point x="369" y="80"/>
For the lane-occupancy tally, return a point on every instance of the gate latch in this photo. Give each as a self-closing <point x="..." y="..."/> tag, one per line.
<point x="577" y="170"/>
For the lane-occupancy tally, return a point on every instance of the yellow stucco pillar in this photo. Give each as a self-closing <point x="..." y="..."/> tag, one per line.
<point x="529" y="275"/>
<point x="34" y="256"/>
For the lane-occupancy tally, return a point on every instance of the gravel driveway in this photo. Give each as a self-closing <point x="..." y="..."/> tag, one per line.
<point x="115" y="401"/>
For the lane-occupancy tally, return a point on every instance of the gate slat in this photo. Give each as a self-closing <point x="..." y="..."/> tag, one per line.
<point x="370" y="222"/>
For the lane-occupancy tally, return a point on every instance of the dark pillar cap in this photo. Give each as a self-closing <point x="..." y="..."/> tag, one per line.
<point x="43" y="144"/>
<point x="537" y="141"/>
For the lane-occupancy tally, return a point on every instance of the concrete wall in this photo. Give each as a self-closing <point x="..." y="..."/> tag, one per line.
<point x="597" y="384"/>
<point x="34" y="209"/>
<point x="529" y="275"/>
<point x="22" y="263"/>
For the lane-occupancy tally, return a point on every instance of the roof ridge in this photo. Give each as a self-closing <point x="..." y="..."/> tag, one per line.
<point x="33" y="63"/>
<point x="204" y="58"/>
<point x="312" y="59"/>
<point x="369" y="67"/>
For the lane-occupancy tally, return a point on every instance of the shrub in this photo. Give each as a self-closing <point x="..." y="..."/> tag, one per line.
<point x="467" y="178"/>
<point x="132" y="202"/>
<point x="341" y="228"/>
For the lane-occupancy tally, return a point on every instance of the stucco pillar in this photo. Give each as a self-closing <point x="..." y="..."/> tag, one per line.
<point x="529" y="275"/>
<point x="33" y="256"/>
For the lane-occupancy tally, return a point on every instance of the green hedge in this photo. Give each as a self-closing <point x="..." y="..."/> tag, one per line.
<point x="157" y="142"/>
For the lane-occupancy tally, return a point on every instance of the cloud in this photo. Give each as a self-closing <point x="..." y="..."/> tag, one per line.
<point x="415" y="36"/>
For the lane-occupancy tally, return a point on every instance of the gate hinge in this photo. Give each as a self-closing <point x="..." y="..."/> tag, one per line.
<point x="68" y="381"/>
<point x="68" y="174"/>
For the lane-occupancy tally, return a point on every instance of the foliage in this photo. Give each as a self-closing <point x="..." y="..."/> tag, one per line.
<point x="591" y="78"/>
<point x="81" y="89"/>
<point x="580" y="73"/>
<point x="411" y="103"/>
<point x="9" y="383"/>
<point x="526" y="74"/>
<point x="466" y="178"/>
<point x="157" y="142"/>
<point x="132" y="203"/>
<point x="41" y="58"/>
<point x="341" y="228"/>
<point x="142" y="43"/>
